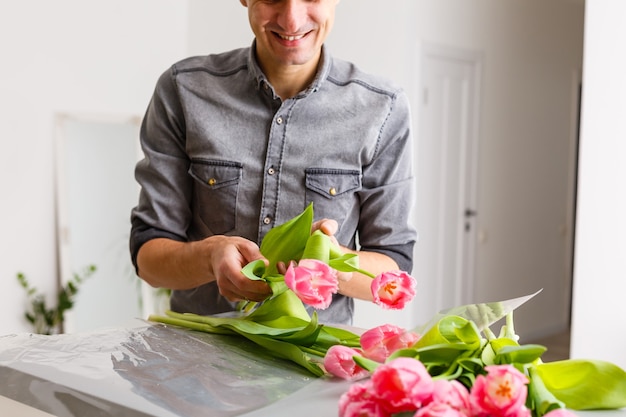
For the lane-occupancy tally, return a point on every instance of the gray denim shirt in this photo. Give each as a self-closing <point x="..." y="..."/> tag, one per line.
<point x="224" y="155"/>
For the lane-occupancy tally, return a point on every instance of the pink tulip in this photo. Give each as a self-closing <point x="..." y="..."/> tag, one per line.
<point x="380" y="342"/>
<point x="359" y="402"/>
<point x="500" y="393"/>
<point x="393" y="290"/>
<point x="313" y="281"/>
<point x="339" y="361"/>
<point x="452" y="393"/>
<point x="402" y="384"/>
<point x="439" y="409"/>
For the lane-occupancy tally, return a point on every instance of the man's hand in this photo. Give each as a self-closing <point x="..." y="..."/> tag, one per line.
<point x="228" y="256"/>
<point x="185" y="265"/>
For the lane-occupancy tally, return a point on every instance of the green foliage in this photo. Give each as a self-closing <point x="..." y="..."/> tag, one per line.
<point x="49" y="320"/>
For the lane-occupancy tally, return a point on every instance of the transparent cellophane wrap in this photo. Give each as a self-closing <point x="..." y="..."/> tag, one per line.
<point x="148" y="369"/>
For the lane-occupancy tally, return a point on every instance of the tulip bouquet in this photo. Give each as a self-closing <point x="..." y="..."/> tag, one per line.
<point x="281" y="324"/>
<point x="454" y="369"/>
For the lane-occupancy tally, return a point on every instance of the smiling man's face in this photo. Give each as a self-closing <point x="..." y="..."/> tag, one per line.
<point x="290" y="32"/>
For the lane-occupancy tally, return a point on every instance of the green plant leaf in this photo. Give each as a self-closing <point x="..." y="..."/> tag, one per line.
<point x="307" y="336"/>
<point x="442" y="353"/>
<point x="336" y="336"/>
<point x="585" y="384"/>
<point x="404" y="353"/>
<point x="348" y="262"/>
<point x="286" y="242"/>
<point x="284" y="304"/>
<point x="450" y="329"/>
<point x="317" y="247"/>
<point x="212" y="324"/>
<point x="365" y="363"/>
<point x="515" y="353"/>
<point x="288" y="351"/>
<point x="255" y="270"/>
<point x="540" y="399"/>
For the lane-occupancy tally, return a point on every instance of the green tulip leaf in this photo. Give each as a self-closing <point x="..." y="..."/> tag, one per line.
<point x="286" y="242"/>
<point x="254" y="270"/>
<point x="515" y="353"/>
<point x="365" y="363"/>
<point x="585" y="384"/>
<point x="348" y="262"/>
<point x="285" y="304"/>
<point x="541" y="399"/>
<point x="278" y="287"/>
<point x="444" y="353"/>
<point x="450" y="329"/>
<point x="222" y="325"/>
<point x="404" y="353"/>
<point x="305" y="337"/>
<point x="330" y="336"/>
<point x="286" y="350"/>
<point x="317" y="247"/>
<point x="473" y="365"/>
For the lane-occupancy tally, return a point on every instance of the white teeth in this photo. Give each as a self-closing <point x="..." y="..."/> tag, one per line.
<point x="291" y="38"/>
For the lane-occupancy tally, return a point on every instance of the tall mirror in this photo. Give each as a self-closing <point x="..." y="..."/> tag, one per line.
<point x="95" y="158"/>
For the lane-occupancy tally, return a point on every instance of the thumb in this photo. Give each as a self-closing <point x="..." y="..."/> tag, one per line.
<point x="250" y="252"/>
<point x="327" y="226"/>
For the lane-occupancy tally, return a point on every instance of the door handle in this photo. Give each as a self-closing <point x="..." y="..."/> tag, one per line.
<point x="470" y="213"/>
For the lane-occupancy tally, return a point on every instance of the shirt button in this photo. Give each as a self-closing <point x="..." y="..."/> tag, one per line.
<point x="271" y="171"/>
<point x="279" y="120"/>
<point x="212" y="181"/>
<point x="332" y="191"/>
<point x="267" y="220"/>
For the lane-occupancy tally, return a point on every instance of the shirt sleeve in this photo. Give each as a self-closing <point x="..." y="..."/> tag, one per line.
<point x="387" y="196"/>
<point x="163" y="207"/>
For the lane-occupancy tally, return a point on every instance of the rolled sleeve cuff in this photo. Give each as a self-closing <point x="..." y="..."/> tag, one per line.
<point x="141" y="233"/>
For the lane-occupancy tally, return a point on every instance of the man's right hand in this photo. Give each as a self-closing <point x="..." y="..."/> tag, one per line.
<point x="184" y="265"/>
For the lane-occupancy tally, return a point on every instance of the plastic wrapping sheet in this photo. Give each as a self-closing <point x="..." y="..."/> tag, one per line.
<point x="154" y="370"/>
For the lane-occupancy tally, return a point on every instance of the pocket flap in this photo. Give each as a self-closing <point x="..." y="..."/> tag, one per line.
<point x="332" y="182"/>
<point x="215" y="174"/>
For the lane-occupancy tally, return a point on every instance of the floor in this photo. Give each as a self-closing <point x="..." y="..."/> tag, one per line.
<point x="558" y="346"/>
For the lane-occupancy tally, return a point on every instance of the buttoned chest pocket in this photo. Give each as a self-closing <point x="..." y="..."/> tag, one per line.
<point x="332" y="192"/>
<point x="215" y="193"/>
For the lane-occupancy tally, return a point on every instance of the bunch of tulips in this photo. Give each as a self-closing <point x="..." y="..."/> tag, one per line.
<point x="454" y="371"/>
<point x="456" y="368"/>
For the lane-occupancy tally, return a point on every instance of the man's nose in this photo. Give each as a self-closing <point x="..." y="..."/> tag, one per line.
<point x="292" y="16"/>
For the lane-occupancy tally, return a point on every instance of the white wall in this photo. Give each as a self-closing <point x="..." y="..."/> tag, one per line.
<point x="66" y="56"/>
<point x="599" y="321"/>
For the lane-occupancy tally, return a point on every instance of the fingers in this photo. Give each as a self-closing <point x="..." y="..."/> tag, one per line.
<point x="327" y="226"/>
<point x="281" y="267"/>
<point x="227" y="263"/>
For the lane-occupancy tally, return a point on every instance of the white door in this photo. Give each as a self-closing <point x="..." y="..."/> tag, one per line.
<point x="446" y="178"/>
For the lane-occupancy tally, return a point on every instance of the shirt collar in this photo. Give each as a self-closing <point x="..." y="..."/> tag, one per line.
<point x="320" y="76"/>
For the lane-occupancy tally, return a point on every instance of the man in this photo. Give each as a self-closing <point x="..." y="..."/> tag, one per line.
<point x="240" y="142"/>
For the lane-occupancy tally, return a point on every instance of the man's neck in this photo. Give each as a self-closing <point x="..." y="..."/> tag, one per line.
<point x="289" y="80"/>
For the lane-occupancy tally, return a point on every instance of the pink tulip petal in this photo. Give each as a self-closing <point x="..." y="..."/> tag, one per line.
<point x="393" y="289"/>
<point x="339" y="361"/>
<point x="313" y="281"/>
